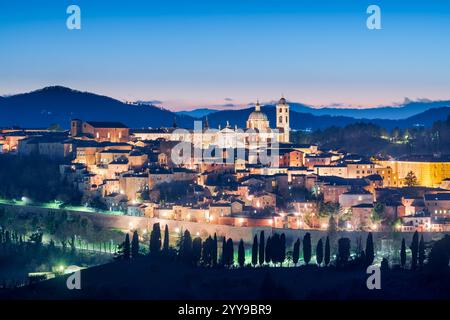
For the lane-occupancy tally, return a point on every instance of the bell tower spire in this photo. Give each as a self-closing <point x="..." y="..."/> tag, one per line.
<point x="282" y="110"/>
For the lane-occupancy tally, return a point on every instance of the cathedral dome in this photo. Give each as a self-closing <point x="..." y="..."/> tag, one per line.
<point x="257" y="115"/>
<point x="282" y="101"/>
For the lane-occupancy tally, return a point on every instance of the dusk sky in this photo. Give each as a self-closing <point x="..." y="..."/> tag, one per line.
<point x="201" y="53"/>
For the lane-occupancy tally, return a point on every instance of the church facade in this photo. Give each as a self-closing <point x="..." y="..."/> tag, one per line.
<point x="257" y="131"/>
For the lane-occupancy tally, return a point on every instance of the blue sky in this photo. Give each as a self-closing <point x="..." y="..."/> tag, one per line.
<point x="201" y="53"/>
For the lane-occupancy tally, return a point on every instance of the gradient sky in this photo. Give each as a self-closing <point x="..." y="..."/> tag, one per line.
<point x="198" y="53"/>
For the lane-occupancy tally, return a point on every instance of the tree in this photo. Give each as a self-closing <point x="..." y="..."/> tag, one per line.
<point x="378" y="212"/>
<point x="166" y="240"/>
<point x="319" y="252"/>
<point x="207" y="251"/>
<point x="186" y="247"/>
<point x="230" y="252"/>
<point x="241" y="254"/>
<point x="439" y="256"/>
<point x="255" y="251"/>
<point x="155" y="239"/>
<point x="414" y="250"/>
<point x="421" y="251"/>
<point x="332" y="226"/>
<point x="296" y="252"/>
<point x="275" y="248"/>
<point x="282" y="248"/>
<point x="124" y="249"/>
<point x="307" y="248"/>
<point x="403" y="253"/>
<point x="261" y="248"/>
<point x="327" y="252"/>
<point x="411" y="179"/>
<point x="384" y="264"/>
<point x="214" y="251"/>
<point x="369" y="253"/>
<point x="135" y="245"/>
<point x="196" y="250"/>
<point x="268" y="252"/>
<point x="343" y="251"/>
<point x="224" y="258"/>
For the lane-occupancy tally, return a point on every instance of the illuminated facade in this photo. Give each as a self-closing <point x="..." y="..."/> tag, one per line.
<point x="428" y="173"/>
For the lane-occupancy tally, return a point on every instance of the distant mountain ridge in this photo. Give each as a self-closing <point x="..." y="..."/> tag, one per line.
<point x="302" y="121"/>
<point x="408" y="109"/>
<point x="58" y="105"/>
<point x="197" y="113"/>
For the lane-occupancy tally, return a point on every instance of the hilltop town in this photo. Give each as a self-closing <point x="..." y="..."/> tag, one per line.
<point x="136" y="172"/>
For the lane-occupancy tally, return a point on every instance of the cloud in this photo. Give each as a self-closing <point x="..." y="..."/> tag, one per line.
<point x="228" y="99"/>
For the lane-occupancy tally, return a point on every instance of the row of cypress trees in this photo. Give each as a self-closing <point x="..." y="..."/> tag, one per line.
<point x="264" y="251"/>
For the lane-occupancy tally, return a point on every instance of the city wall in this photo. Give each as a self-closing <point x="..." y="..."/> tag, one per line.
<point x="127" y="223"/>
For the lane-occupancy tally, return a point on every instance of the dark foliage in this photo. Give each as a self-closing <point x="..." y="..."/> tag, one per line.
<point x="307" y="248"/>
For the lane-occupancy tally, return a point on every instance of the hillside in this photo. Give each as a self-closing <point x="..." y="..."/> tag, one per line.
<point x="51" y="105"/>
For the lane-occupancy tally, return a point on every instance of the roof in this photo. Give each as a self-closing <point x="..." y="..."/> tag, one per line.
<point x="363" y="205"/>
<point x="100" y="124"/>
<point x="437" y="197"/>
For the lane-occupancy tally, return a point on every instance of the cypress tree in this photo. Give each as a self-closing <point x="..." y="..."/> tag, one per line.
<point x="166" y="240"/>
<point x="126" y="247"/>
<point x="275" y="248"/>
<point x="403" y="254"/>
<point x="186" y="247"/>
<point x="421" y="251"/>
<point x="230" y="252"/>
<point x="207" y="251"/>
<point x="319" y="252"/>
<point x="241" y="254"/>
<point x="224" y="259"/>
<point x="307" y="248"/>
<point x="267" y="257"/>
<point x="327" y="252"/>
<point x="135" y="245"/>
<point x="261" y="248"/>
<point x="296" y="252"/>
<point x="214" y="251"/>
<point x="155" y="239"/>
<point x="282" y="248"/>
<point x="414" y="250"/>
<point x="343" y="251"/>
<point x="196" y="250"/>
<point x="369" y="253"/>
<point x="255" y="251"/>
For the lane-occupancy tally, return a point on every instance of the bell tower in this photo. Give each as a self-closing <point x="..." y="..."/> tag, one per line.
<point x="283" y="120"/>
